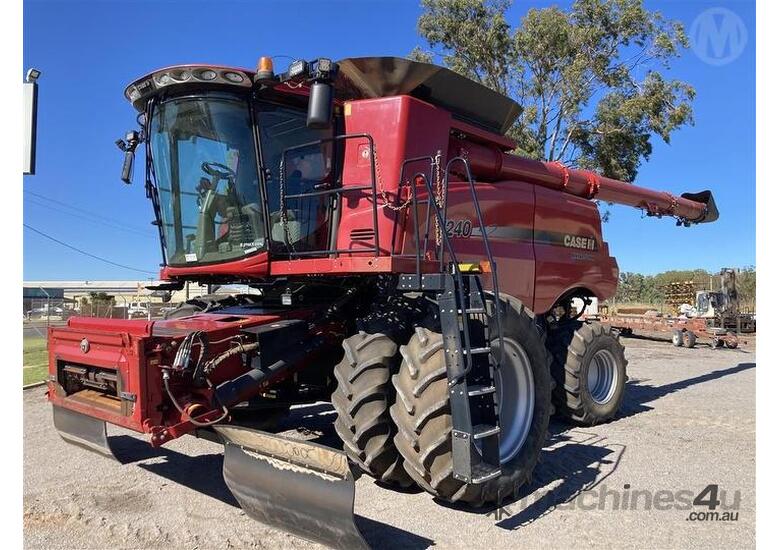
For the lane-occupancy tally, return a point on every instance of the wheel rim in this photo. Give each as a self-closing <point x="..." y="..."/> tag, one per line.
<point x="602" y="376"/>
<point x="514" y="381"/>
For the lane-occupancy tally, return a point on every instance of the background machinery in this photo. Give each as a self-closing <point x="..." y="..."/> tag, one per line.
<point x="721" y="307"/>
<point x="410" y="270"/>
<point x="714" y="316"/>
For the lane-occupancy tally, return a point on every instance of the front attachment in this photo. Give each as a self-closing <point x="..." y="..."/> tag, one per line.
<point x="297" y="486"/>
<point x="82" y="430"/>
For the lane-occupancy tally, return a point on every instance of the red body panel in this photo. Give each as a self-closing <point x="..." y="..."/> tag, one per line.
<point x="569" y="250"/>
<point x="253" y="267"/>
<point x="508" y="213"/>
<point x="536" y="233"/>
<point x="402" y="128"/>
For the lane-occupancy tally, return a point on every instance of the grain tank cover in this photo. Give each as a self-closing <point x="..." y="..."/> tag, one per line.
<point x="370" y="77"/>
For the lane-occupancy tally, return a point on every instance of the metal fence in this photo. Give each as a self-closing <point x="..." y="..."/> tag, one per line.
<point x="39" y="313"/>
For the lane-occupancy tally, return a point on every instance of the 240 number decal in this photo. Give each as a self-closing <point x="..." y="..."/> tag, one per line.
<point x="459" y="229"/>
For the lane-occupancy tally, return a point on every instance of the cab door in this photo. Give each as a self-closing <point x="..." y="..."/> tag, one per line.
<point x="299" y="163"/>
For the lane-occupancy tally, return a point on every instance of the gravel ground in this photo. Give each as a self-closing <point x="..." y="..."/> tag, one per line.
<point x="688" y="421"/>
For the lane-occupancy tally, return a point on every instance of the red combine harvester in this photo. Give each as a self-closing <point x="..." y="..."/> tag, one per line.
<point x="411" y="271"/>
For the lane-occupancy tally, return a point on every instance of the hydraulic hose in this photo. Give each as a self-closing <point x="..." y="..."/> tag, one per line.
<point x="225" y="412"/>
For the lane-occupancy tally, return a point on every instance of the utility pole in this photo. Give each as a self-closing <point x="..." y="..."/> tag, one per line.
<point x="30" y="91"/>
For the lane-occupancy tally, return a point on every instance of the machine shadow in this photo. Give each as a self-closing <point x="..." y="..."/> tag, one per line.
<point x="638" y="395"/>
<point x="381" y="535"/>
<point x="179" y="468"/>
<point x="576" y="467"/>
<point x="571" y="462"/>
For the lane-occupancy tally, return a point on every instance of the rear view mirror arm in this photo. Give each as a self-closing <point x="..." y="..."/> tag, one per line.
<point x="128" y="145"/>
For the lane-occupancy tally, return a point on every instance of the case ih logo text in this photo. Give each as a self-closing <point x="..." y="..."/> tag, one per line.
<point x="584" y="243"/>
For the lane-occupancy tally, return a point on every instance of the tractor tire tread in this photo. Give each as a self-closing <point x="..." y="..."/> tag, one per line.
<point x="362" y="399"/>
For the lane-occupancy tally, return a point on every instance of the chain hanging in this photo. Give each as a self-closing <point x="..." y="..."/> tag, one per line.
<point x="439" y="198"/>
<point x="283" y="207"/>
<point x="386" y="203"/>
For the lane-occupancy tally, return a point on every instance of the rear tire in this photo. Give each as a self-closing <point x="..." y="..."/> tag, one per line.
<point x="688" y="339"/>
<point x="589" y="367"/>
<point x="362" y="399"/>
<point x="422" y="413"/>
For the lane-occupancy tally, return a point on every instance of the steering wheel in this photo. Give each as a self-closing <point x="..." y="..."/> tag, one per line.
<point x="218" y="171"/>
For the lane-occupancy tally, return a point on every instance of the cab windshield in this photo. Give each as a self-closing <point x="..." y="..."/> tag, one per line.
<point x="207" y="179"/>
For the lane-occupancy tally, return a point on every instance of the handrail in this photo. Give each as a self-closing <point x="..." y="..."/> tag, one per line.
<point x="418" y="252"/>
<point x="485" y="242"/>
<point x="439" y="210"/>
<point x="333" y="191"/>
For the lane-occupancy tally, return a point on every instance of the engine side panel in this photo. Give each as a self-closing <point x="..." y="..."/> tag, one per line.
<point x="402" y="128"/>
<point x="569" y="249"/>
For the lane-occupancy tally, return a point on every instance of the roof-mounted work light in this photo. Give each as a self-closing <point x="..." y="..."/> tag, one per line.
<point x="298" y="69"/>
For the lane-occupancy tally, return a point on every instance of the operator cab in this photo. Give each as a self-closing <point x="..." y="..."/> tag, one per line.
<point x="205" y="167"/>
<point x="220" y="151"/>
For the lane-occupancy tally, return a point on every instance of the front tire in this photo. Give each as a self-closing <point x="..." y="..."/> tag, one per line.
<point x="677" y="338"/>
<point x="590" y="370"/>
<point x="422" y="413"/>
<point x="362" y="399"/>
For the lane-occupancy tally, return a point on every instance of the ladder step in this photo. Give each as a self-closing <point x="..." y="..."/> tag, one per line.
<point x="473" y="310"/>
<point x="478" y="350"/>
<point x="481" y="390"/>
<point x="482" y="431"/>
<point x="483" y="472"/>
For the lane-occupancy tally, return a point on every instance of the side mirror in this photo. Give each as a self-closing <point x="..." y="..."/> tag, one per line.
<point x="320" y="105"/>
<point x="128" y="145"/>
<point x="127" y="167"/>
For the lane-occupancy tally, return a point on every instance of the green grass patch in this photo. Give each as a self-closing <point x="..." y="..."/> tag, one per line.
<point x="34" y="344"/>
<point x="35" y="360"/>
<point x="35" y="374"/>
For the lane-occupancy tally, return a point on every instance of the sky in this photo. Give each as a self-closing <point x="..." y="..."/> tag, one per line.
<point x="89" y="51"/>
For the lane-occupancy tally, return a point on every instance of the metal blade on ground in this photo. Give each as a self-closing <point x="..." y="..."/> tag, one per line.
<point x="82" y="430"/>
<point x="300" y="487"/>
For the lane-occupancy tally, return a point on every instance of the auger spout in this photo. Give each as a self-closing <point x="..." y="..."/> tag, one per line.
<point x="491" y="163"/>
